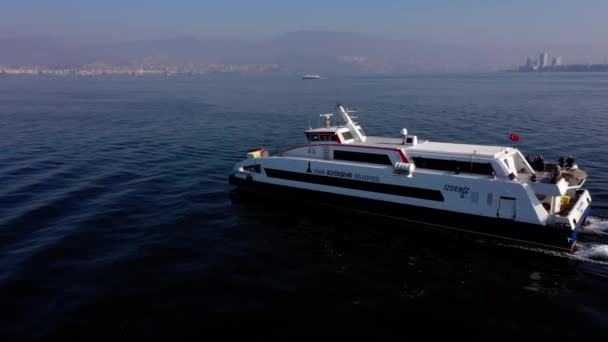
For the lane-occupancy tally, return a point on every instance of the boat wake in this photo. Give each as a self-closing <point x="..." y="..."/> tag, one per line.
<point x="596" y="224"/>
<point x="593" y="251"/>
<point x="592" y="246"/>
<point x="596" y="249"/>
<point x="593" y="240"/>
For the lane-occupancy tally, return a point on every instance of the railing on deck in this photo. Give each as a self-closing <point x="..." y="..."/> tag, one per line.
<point x="549" y="167"/>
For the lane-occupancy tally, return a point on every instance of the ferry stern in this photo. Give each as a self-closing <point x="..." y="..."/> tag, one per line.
<point x="559" y="189"/>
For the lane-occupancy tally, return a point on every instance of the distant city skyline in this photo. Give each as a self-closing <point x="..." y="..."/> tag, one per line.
<point x="325" y="51"/>
<point x="449" y="35"/>
<point x="557" y="64"/>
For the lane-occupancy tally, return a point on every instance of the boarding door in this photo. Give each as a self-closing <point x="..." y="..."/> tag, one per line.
<point x="506" y="208"/>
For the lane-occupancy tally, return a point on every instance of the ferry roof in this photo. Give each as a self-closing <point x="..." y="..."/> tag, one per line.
<point x="460" y="149"/>
<point x="323" y="129"/>
<point x="488" y="151"/>
<point x="424" y="147"/>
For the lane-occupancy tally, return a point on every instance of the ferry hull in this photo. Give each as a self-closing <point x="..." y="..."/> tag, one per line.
<point x="494" y="228"/>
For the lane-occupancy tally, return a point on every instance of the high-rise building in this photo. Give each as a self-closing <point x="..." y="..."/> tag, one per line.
<point x="543" y="60"/>
<point x="530" y="63"/>
<point x="557" y="61"/>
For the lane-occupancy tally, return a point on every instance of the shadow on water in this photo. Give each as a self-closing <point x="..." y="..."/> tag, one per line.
<point x="348" y="232"/>
<point x="503" y="287"/>
<point x="285" y="268"/>
<point x="349" y="224"/>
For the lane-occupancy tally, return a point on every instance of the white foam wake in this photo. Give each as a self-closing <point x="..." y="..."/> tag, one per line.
<point x="595" y="252"/>
<point x="597" y="224"/>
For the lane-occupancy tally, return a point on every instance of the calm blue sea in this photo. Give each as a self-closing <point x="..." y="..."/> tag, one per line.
<point x="117" y="220"/>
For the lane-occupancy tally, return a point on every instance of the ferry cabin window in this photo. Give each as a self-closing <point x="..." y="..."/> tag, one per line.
<point x="371" y="158"/>
<point x="489" y="200"/>
<point x="347" y="135"/>
<point x="320" y="137"/>
<point x="453" y="165"/>
<point x="253" y="168"/>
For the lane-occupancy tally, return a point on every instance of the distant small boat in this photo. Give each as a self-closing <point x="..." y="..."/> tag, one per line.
<point x="311" y="77"/>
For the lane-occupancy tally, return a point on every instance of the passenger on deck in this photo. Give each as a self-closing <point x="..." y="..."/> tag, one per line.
<point x="539" y="163"/>
<point x="569" y="162"/>
<point x="561" y="161"/>
<point x="557" y="174"/>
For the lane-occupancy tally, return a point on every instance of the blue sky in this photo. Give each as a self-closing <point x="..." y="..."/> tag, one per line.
<point x="556" y="21"/>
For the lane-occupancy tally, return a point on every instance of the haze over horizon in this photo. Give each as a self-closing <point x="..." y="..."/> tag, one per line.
<point x="469" y="34"/>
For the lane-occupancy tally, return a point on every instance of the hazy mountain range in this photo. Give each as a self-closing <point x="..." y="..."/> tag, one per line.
<point x="302" y="51"/>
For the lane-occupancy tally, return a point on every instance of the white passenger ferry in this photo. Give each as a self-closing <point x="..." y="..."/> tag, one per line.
<point x="488" y="190"/>
<point x="311" y="77"/>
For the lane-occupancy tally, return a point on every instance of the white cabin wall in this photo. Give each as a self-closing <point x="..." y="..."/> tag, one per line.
<point x="509" y="165"/>
<point x="556" y="204"/>
<point x="450" y="185"/>
<point x="307" y="151"/>
<point x="483" y="186"/>
<point x="536" y="204"/>
<point x="500" y="168"/>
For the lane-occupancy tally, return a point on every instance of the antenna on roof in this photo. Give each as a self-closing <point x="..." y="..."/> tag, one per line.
<point x="351" y="125"/>
<point x="327" y="119"/>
